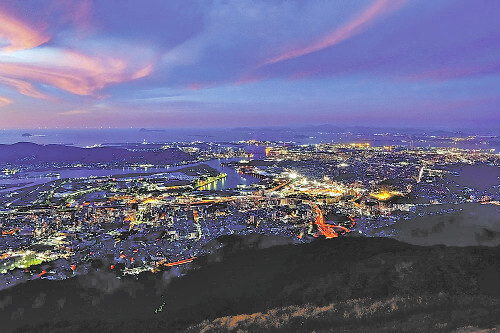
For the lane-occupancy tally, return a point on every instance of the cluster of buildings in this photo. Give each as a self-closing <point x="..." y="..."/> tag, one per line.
<point x="150" y="221"/>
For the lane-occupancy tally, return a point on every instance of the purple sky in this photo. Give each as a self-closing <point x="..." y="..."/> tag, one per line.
<point x="159" y="63"/>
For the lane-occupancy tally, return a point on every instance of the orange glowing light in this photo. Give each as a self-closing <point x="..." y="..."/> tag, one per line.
<point x="39" y="275"/>
<point x="130" y="218"/>
<point x="150" y="200"/>
<point x="327" y="230"/>
<point x="10" y="232"/>
<point x="180" y="262"/>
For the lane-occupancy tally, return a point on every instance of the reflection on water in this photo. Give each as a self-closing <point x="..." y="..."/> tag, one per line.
<point x="233" y="177"/>
<point x="217" y="185"/>
<point x="39" y="177"/>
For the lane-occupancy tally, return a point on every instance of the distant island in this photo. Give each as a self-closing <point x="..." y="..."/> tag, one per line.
<point x="151" y="130"/>
<point x="27" y="135"/>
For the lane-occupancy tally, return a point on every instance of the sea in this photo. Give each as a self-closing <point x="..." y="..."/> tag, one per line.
<point x="305" y="135"/>
<point x="111" y="136"/>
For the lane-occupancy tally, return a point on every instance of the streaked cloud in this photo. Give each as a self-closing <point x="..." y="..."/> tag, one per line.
<point x="448" y="73"/>
<point x="73" y="112"/>
<point x="30" y="65"/>
<point x="5" y="101"/>
<point x="354" y="26"/>
<point x="17" y="35"/>
<point x="24" y="88"/>
<point x="70" y="71"/>
<point x="248" y="60"/>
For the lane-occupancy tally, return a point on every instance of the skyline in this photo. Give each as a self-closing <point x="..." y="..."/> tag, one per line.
<point x="249" y="63"/>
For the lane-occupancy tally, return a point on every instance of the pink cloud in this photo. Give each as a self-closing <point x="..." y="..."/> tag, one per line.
<point x="74" y="112"/>
<point x="70" y="71"/>
<point x="143" y="72"/>
<point x="5" y="101"/>
<point x="24" y="88"/>
<point x="19" y="34"/>
<point x="346" y="31"/>
<point x="66" y="69"/>
<point x="195" y="86"/>
<point x="444" y="74"/>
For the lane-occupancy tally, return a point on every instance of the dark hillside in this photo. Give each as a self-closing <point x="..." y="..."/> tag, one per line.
<point x="235" y="281"/>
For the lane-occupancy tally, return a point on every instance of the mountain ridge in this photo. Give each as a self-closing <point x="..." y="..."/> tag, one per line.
<point x="236" y="280"/>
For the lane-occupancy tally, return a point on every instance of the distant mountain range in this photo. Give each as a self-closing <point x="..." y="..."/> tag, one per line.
<point x="30" y="153"/>
<point x="365" y="130"/>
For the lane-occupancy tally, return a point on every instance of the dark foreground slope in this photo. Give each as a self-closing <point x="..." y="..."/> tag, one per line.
<point x="428" y="313"/>
<point x="343" y="283"/>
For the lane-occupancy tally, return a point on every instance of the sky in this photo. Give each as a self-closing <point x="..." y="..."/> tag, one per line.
<point x="221" y="63"/>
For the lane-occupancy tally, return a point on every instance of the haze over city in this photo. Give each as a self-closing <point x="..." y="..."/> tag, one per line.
<point x="166" y="64"/>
